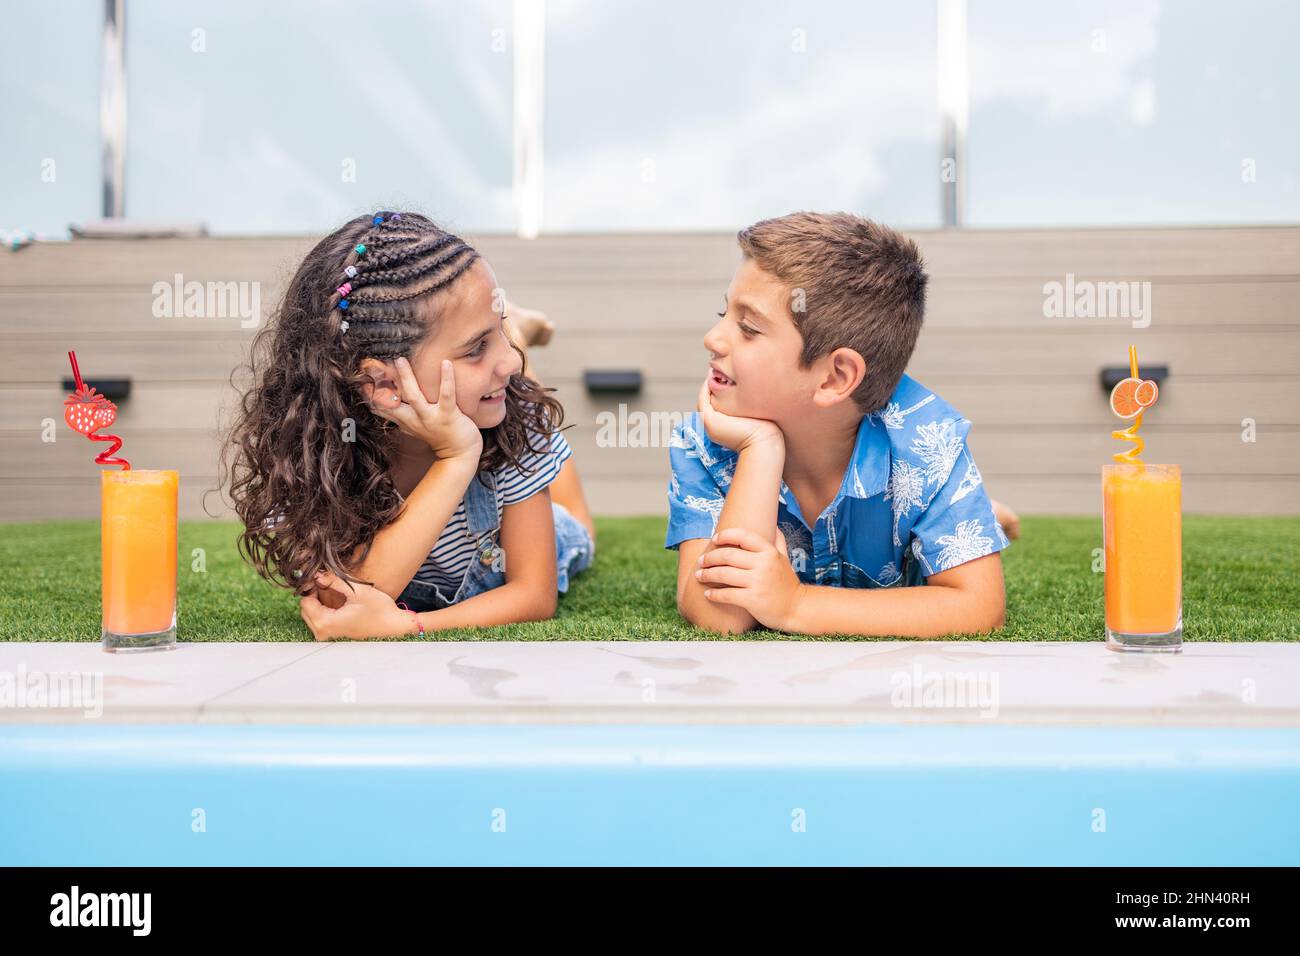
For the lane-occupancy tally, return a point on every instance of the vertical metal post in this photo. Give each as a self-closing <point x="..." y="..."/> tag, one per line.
<point x="529" y="79"/>
<point x="954" y="108"/>
<point x="112" y="109"/>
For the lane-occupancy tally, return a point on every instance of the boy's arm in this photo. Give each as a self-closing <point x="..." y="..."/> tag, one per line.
<point x="956" y="541"/>
<point x="756" y="576"/>
<point x="960" y="597"/>
<point x="401" y="546"/>
<point x="962" y="600"/>
<point x="751" y="504"/>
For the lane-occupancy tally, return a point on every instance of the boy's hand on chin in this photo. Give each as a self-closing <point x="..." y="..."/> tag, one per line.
<point x="735" y="432"/>
<point x="744" y="570"/>
<point x="351" y="610"/>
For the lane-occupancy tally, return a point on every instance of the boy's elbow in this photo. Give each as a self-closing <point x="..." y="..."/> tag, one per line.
<point x="716" y="620"/>
<point x="995" y="615"/>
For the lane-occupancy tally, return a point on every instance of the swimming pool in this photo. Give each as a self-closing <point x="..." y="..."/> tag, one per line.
<point x="648" y="794"/>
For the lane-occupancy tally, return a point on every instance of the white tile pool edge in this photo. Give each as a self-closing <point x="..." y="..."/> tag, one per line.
<point x="658" y="682"/>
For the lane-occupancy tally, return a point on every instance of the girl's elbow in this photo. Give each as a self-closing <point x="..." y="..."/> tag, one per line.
<point x="543" y="606"/>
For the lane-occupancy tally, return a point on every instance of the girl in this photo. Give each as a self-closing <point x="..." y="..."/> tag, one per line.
<point x="393" y="462"/>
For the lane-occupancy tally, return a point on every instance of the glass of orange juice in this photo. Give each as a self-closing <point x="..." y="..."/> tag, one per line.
<point x="1143" y="536"/>
<point x="138" y="546"/>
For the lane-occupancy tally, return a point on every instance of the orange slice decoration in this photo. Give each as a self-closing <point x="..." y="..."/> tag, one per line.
<point x="1146" y="393"/>
<point x="1123" y="398"/>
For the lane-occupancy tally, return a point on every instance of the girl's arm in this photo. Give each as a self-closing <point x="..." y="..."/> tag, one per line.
<point x="528" y="539"/>
<point x="401" y="546"/>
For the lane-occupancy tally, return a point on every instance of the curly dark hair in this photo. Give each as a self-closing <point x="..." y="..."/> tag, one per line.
<point x="310" y="495"/>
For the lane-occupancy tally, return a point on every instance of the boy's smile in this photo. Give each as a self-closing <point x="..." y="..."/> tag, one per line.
<point x="718" y="381"/>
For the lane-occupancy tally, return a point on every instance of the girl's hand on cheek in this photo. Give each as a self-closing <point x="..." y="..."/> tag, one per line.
<point x="442" y="426"/>
<point x="365" y="612"/>
<point x="733" y="431"/>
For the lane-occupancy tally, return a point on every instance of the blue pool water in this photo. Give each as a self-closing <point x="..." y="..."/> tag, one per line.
<point x="648" y="794"/>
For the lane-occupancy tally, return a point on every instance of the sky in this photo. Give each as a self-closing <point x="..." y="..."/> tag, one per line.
<point x="665" y="116"/>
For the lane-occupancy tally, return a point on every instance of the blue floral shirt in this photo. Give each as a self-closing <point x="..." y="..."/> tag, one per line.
<point x="912" y="502"/>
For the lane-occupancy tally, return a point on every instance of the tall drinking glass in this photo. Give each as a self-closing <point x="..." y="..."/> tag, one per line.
<point x="138" y="546"/>
<point x="1143" y="536"/>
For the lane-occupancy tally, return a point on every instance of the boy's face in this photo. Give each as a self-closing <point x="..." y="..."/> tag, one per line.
<point x="755" y="347"/>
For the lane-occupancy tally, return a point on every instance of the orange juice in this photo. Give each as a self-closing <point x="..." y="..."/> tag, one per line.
<point x="138" y="545"/>
<point x="1142" y="526"/>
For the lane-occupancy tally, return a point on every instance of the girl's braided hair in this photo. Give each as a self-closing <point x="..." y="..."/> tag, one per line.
<point x="306" y="459"/>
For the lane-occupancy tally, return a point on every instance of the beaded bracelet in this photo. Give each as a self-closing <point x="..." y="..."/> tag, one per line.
<point x="420" y="627"/>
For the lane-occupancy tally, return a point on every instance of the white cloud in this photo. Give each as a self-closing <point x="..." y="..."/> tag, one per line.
<point x="1035" y="57"/>
<point x="817" y="146"/>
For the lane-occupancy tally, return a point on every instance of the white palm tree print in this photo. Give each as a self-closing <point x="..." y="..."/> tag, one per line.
<point x="966" y="544"/>
<point x="906" y="484"/>
<point x="693" y="444"/>
<point x="709" y="506"/>
<point x="725" y="473"/>
<point x="937" y="444"/>
<point x="969" y="482"/>
<point x="891" y="416"/>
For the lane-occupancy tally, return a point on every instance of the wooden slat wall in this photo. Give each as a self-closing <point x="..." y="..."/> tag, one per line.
<point x="1224" y="318"/>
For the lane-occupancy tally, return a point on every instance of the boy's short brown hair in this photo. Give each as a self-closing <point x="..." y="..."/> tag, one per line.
<point x="861" y="286"/>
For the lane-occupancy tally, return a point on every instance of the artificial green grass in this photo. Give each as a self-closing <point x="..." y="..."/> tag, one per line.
<point x="1239" y="578"/>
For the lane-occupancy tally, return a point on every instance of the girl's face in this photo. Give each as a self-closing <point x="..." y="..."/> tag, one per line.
<point x="471" y="334"/>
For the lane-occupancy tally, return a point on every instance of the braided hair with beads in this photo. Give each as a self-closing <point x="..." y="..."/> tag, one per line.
<point x="306" y="460"/>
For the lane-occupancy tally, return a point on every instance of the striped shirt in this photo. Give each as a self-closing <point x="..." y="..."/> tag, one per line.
<point x="447" y="562"/>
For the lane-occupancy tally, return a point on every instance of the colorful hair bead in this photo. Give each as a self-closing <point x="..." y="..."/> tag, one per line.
<point x="378" y="220"/>
<point x="343" y="326"/>
<point x="360" y="250"/>
<point x="350" y="272"/>
<point x="345" y="288"/>
<point x="394" y="217"/>
<point x="343" y="304"/>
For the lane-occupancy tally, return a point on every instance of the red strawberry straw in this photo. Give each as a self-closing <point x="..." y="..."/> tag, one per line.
<point x="103" y="407"/>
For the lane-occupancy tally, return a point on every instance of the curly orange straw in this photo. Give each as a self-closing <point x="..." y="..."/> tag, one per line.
<point x="1131" y="433"/>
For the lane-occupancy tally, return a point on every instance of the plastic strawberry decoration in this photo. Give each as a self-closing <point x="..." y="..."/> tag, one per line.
<point x="86" y="411"/>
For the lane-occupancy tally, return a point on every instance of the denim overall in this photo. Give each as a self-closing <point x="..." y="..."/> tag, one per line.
<point x="574" y="550"/>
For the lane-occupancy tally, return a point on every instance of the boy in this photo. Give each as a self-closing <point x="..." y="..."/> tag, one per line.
<point x="817" y="480"/>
